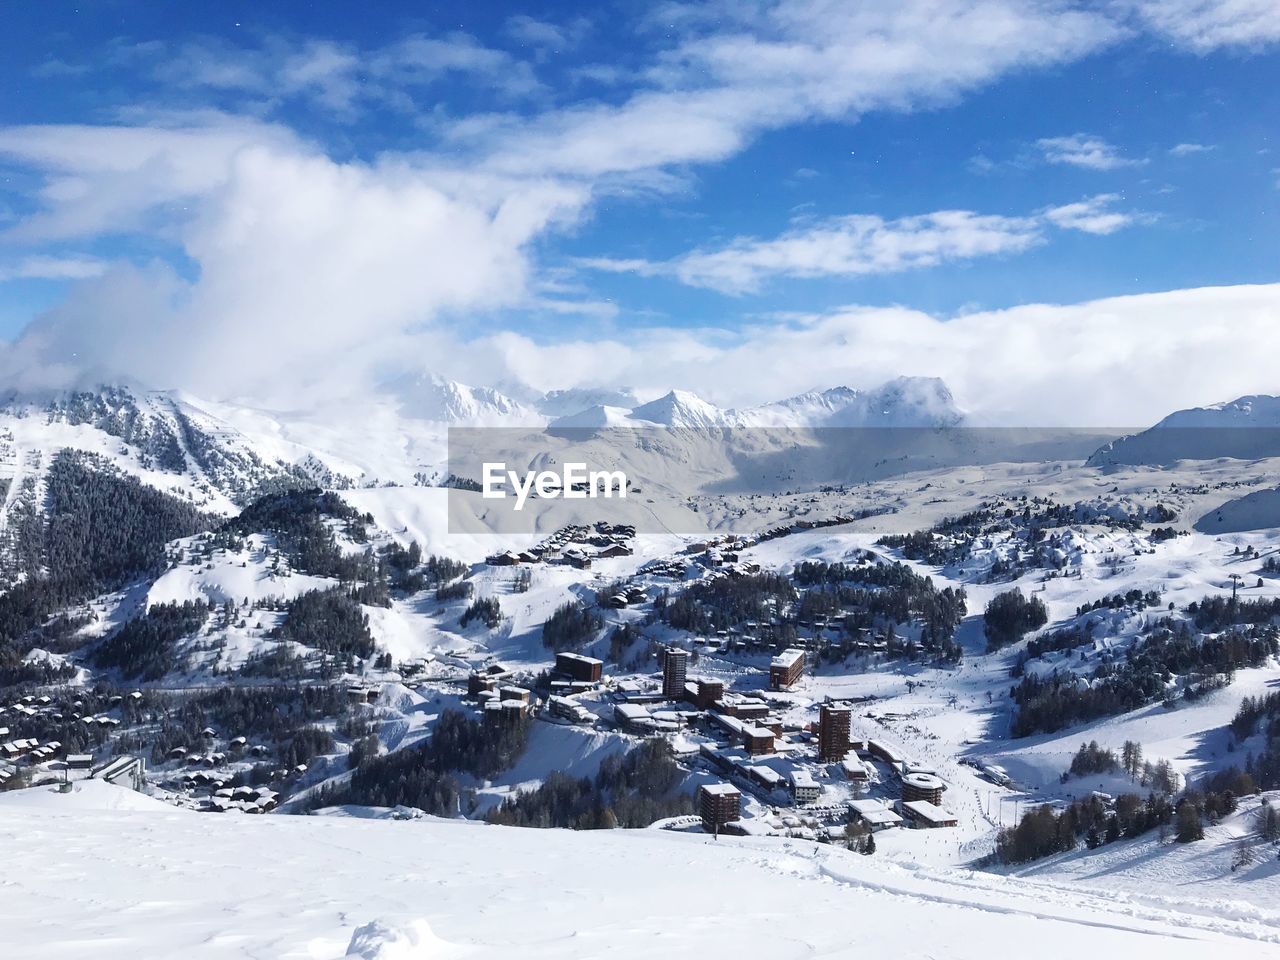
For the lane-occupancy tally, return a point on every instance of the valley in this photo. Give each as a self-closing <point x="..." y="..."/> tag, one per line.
<point x="951" y="640"/>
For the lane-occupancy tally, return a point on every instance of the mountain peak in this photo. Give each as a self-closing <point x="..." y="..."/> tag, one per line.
<point x="429" y="396"/>
<point x="680" y="408"/>
<point x="901" y="402"/>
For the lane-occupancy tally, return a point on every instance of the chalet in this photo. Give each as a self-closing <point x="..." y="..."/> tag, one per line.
<point x="267" y="800"/>
<point x="505" y="559"/>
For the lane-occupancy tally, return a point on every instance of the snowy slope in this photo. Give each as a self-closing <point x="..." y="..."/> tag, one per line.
<point x="562" y="403"/>
<point x="431" y="397"/>
<point x="164" y="439"/>
<point x="318" y="887"/>
<point x="1247" y="429"/>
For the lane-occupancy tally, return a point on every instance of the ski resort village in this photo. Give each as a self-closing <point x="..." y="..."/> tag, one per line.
<point x="998" y="684"/>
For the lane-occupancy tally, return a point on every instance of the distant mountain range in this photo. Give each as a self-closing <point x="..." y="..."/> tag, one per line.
<point x="219" y="455"/>
<point x="903" y="402"/>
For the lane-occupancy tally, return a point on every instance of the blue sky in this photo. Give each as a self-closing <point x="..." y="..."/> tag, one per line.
<point x="513" y="195"/>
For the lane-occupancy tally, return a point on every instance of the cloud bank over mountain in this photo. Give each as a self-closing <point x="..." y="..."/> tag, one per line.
<point x="237" y="251"/>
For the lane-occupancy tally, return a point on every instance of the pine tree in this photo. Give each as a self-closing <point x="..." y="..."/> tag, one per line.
<point x="1189" y="827"/>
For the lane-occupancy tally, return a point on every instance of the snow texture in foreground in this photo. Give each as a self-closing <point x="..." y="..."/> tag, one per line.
<point x="87" y="875"/>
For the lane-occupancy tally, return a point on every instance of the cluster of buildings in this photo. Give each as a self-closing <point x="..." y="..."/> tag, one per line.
<point x="207" y="774"/>
<point x="500" y="700"/>
<point x="574" y="545"/>
<point x="574" y="674"/>
<point x="503" y="701"/>
<point x="762" y="759"/>
<point x="29" y="747"/>
<point x="244" y="799"/>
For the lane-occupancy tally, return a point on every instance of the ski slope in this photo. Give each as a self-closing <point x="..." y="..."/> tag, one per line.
<point x="320" y="887"/>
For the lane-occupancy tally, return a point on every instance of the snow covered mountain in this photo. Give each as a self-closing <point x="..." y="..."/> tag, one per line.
<point x="681" y="409"/>
<point x="902" y="402"/>
<point x="564" y="403"/>
<point x="163" y="438"/>
<point x="434" y="398"/>
<point x="1244" y="429"/>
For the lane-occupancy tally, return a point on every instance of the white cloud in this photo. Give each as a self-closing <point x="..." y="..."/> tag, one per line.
<point x="117" y="179"/>
<point x="763" y="66"/>
<point x="298" y="269"/>
<point x="1203" y="26"/>
<point x="864" y="244"/>
<point x="1119" y="362"/>
<point x="52" y="268"/>
<point x="306" y="266"/>
<point x="338" y="77"/>
<point x="542" y="34"/>
<point x="1187" y="149"/>
<point x="1083" y="150"/>
<point x="858" y="245"/>
<point x="1093" y="215"/>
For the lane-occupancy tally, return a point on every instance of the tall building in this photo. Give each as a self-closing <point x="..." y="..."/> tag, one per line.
<point x="675" y="666"/>
<point x="579" y="668"/>
<point x="922" y="786"/>
<point x="834" y="732"/>
<point x="707" y="692"/>
<point x="719" y="803"/>
<point x="786" y="668"/>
